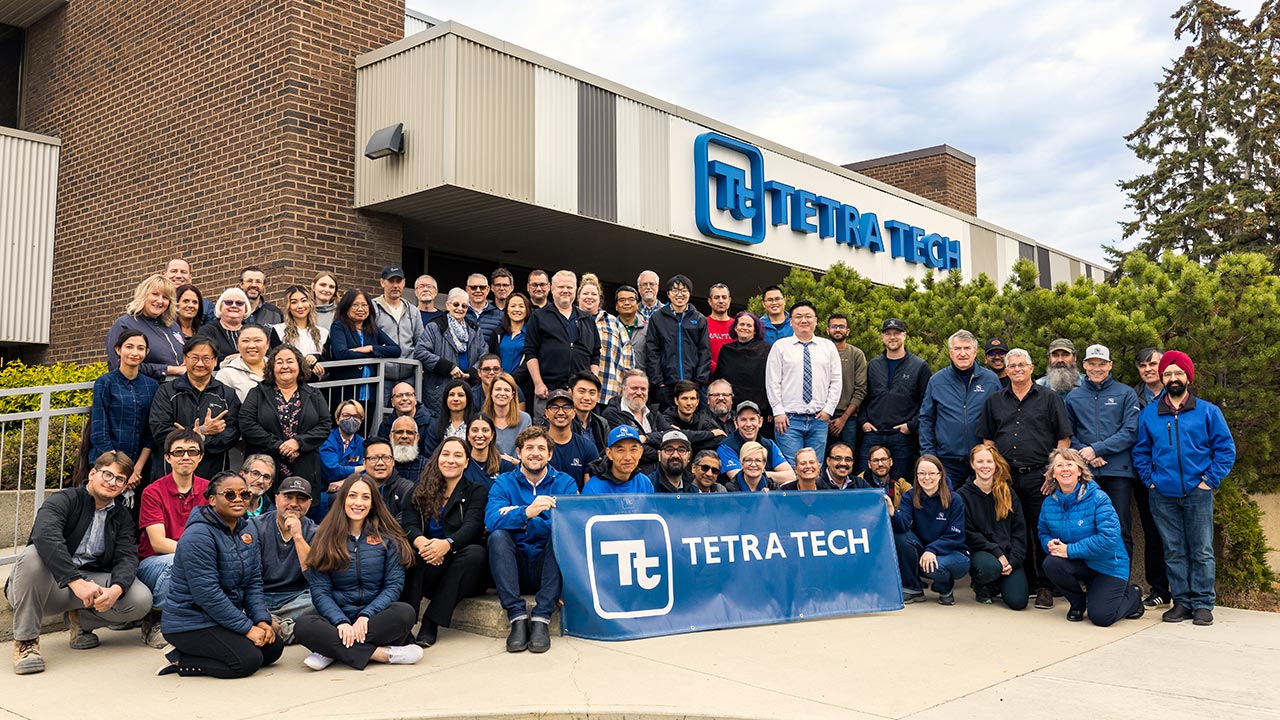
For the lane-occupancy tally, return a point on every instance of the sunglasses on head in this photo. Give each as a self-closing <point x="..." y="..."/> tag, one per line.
<point x="231" y="495"/>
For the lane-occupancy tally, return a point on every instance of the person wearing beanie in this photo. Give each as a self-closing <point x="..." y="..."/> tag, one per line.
<point x="1184" y="452"/>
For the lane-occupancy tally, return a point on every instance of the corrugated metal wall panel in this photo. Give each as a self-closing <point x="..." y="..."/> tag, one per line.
<point x="28" y="207"/>
<point x="597" y="153"/>
<point x="643" y="179"/>
<point x="414" y="25"/>
<point x="1061" y="268"/>
<point x="409" y="88"/>
<point x="495" y="122"/>
<point x="984" y="257"/>
<point x="555" y="108"/>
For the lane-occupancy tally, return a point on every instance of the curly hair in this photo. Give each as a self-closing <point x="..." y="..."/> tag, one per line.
<point x="429" y="493"/>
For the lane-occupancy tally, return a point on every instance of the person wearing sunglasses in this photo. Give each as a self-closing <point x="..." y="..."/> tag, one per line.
<point x="197" y="402"/>
<point x="706" y="471"/>
<point x="449" y="348"/>
<point x="928" y="530"/>
<point x="230" y="311"/>
<point x="166" y="505"/>
<point x="216" y="616"/>
<point x="82" y="559"/>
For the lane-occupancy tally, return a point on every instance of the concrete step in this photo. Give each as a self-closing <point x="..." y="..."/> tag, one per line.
<point x="484" y="616"/>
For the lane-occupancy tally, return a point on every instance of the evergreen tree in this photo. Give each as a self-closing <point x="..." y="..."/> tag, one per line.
<point x="1258" y="194"/>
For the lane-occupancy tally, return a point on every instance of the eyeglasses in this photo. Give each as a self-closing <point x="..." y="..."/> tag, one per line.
<point x="202" y="359"/>
<point x="350" y="416"/>
<point x="231" y="495"/>
<point x="402" y="395"/>
<point x="721" y="395"/>
<point x="841" y="458"/>
<point x="255" y="475"/>
<point x="709" y="468"/>
<point x="678" y="291"/>
<point x="675" y="450"/>
<point x="111" y="478"/>
<point x="378" y="459"/>
<point x="186" y="452"/>
<point x="539" y="284"/>
<point x="490" y="370"/>
<point x="928" y="474"/>
<point x="1017" y="366"/>
<point x="879" y="461"/>
<point x="559" y="408"/>
<point x="359" y="306"/>
<point x="233" y="303"/>
<point x="457" y="304"/>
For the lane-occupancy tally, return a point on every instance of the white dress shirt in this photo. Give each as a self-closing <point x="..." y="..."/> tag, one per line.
<point x="784" y="376"/>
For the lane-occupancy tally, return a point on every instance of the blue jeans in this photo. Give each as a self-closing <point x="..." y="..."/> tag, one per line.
<point x="803" y="431"/>
<point x="515" y="574"/>
<point x="950" y="565"/>
<point x="903" y="448"/>
<point x="1186" y="527"/>
<point x="154" y="573"/>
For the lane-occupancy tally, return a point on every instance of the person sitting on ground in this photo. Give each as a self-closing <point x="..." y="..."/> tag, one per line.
<point x="752" y="476"/>
<point x="286" y="418"/>
<point x="121" y="407"/>
<point x="508" y="418"/>
<point x="405" y="448"/>
<point x="356" y="573"/>
<point x="809" y="475"/>
<point x="672" y="475"/>
<point x="618" y="472"/>
<point x="880" y="474"/>
<point x="196" y="401"/>
<point x="706" y="472"/>
<point x="259" y="473"/>
<point x="689" y="416"/>
<point x="244" y="370"/>
<point x="521" y="556"/>
<point x="81" y="559"/>
<point x="1080" y="534"/>
<point x="166" y="505"/>
<point x="215" y="616"/>
<point x="444" y="522"/>
<point x="452" y="413"/>
<point x="342" y="453"/>
<point x="284" y="536"/>
<point x="993" y="530"/>
<point x="749" y="421"/>
<point x="928" y="530"/>
<point x="484" y="462"/>
<point x="404" y="401"/>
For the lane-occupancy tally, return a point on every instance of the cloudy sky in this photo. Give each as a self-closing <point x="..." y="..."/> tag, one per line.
<point x="1041" y="94"/>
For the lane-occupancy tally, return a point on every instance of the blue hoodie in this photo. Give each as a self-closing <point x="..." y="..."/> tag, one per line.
<point x="1179" y="449"/>
<point x="952" y="405"/>
<point x="216" y="578"/>
<point x="365" y="587"/>
<point x="1087" y="522"/>
<point x="1105" y="417"/>
<point x="940" y="529"/>
<point x="606" y="484"/>
<point x="513" y="490"/>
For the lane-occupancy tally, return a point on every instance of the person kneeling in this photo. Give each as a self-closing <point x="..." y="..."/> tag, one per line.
<point x="1080" y="533"/>
<point x="521" y="556"/>
<point x="356" y="572"/>
<point x="215" y="616"/>
<point x="995" y="531"/>
<point x="928" y="529"/>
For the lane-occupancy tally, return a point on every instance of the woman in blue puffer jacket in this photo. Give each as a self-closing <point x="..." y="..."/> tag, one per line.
<point x="1080" y="533"/>
<point x="215" y="616"/>
<point x="356" y="573"/>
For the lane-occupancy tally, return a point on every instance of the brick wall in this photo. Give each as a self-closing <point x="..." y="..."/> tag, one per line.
<point x="934" y="174"/>
<point x="218" y="131"/>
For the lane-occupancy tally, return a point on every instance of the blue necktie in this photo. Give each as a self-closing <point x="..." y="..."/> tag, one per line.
<point x="807" y="392"/>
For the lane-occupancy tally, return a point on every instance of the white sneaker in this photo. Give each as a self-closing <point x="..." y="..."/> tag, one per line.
<point x="403" y="654"/>
<point x="316" y="661"/>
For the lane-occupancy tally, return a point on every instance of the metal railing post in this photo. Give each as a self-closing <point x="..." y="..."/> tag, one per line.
<point x="42" y="446"/>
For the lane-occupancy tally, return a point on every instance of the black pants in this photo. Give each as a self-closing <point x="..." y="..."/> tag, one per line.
<point x="389" y="627"/>
<point x="1108" y="598"/>
<point x="219" y="652"/>
<point x="985" y="569"/>
<point x="1027" y="483"/>
<point x="1153" y="546"/>
<point x="1120" y="490"/>
<point x="463" y="574"/>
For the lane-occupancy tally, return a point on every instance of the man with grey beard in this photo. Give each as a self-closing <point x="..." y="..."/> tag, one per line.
<point x="404" y="448"/>
<point x="1062" y="376"/>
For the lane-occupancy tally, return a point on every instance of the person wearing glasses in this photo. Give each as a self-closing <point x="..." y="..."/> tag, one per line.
<point x="166" y="505"/>
<point x="406" y="448"/>
<point x="216" y="616"/>
<point x="197" y="402"/>
<point x="153" y="311"/>
<point x="488" y="368"/>
<point x="424" y="291"/>
<point x="677" y="345"/>
<point x="839" y="470"/>
<point x="244" y="370"/>
<point x="405" y="403"/>
<point x="355" y="336"/>
<point x="286" y="418"/>
<point x="449" y="348"/>
<point x="753" y="459"/>
<point x="259" y="473"/>
<point x="560" y="342"/>
<point x="571" y="453"/>
<point x="673" y="475"/>
<point x="483" y="313"/>
<point x="539" y="287"/>
<point x="401" y="322"/>
<point x="880" y="473"/>
<point x="503" y="283"/>
<point x="706" y="472"/>
<point x="380" y="472"/>
<point x="229" y="314"/>
<point x="81" y="559"/>
<point x="342" y="453"/>
<point x="928" y="531"/>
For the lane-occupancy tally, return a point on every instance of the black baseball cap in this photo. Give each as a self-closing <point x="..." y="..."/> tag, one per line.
<point x="295" y="484"/>
<point x="392" y="271"/>
<point x="996" y="345"/>
<point x="893" y="324"/>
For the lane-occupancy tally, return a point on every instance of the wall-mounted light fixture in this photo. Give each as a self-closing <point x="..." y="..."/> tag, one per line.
<point x="387" y="141"/>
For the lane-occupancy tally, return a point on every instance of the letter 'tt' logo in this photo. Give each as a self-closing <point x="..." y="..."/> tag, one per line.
<point x="743" y="201"/>
<point x="629" y="564"/>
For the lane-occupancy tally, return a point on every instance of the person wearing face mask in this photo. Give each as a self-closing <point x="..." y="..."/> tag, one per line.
<point x="994" y="531"/>
<point x="244" y="370"/>
<point x="343" y="452"/>
<point x="444" y="523"/>
<point x="153" y="311"/>
<point x="928" y="530"/>
<point x="198" y="402"/>
<point x="952" y="406"/>
<point x="1080" y="535"/>
<point x="1184" y="452"/>
<point x="284" y="536"/>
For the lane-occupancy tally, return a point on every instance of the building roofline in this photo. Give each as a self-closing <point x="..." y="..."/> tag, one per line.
<point x="912" y="155"/>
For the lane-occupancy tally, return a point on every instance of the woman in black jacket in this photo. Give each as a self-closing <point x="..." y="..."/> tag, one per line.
<point x="286" y="418"/>
<point x="994" y="530"/>
<point x="445" y="525"/>
<point x="742" y="364"/>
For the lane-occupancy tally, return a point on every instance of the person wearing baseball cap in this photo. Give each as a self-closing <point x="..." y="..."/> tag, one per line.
<point x="896" y="383"/>
<point x="571" y="453"/>
<point x="674" y="474"/>
<point x="285" y="534"/>
<point x="618" y="472"/>
<point x="748" y="422"/>
<point x="1184" y="452"/>
<point x="995" y="351"/>
<point x="1104" y="415"/>
<point x="1062" y="376"/>
<point x="401" y="321"/>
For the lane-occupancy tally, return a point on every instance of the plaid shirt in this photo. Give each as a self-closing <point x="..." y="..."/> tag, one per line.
<point x="645" y="312"/>
<point x="615" y="354"/>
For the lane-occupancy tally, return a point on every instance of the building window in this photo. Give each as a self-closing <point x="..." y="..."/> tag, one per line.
<point x="11" y="40"/>
<point x="1042" y="264"/>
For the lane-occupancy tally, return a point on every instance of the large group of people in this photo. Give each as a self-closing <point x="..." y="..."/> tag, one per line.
<point x="232" y="507"/>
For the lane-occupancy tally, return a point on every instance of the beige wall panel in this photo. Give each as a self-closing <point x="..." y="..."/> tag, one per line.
<point x="1060" y="267"/>
<point x="28" y="206"/>
<point x="643" y="155"/>
<point x="495" y="122"/>
<point x="555" y="145"/>
<point x="984" y="253"/>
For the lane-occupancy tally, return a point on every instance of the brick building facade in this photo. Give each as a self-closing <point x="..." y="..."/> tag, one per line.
<point x="222" y="132"/>
<point x="941" y="174"/>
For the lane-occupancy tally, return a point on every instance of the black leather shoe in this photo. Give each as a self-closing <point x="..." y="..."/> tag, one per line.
<point x="539" y="637"/>
<point x="1075" y="615"/>
<point x="518" y="640"/>
<point x="1177" y="613"/>
<point x="427" y="634"/>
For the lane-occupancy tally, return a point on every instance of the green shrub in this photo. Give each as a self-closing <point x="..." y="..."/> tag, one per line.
<point x="19" y="440"/>
<point x="1241" y="546"/>
<point x="17" y="375"/>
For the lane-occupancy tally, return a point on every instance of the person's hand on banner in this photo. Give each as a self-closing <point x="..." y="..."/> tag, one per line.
<point x="540" y="504"/>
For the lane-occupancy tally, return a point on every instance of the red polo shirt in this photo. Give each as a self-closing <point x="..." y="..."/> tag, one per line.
<point x="162" y="504"/>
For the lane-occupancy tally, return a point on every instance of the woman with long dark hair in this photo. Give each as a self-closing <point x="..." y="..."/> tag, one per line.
<point x="486" y="462"/>
<point x="190" y="310"/>
<point x="507" y="342"/>
<point x="122" y="406"/>
<point x="300" y="328"/>
<point x="216" y="616"/>
<point x="356" y="573"/>
<point x="355" y="336"/>
<point x="286" y="418"/>
<point x="445" y="525"/>
<point x="994" y="530"/>
<point x="742" y="363"/>
<point x="452" y="414"/>
<point x="928" y="530"/>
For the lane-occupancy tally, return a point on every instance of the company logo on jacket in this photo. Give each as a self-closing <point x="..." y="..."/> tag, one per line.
<point x="629" y="564"/>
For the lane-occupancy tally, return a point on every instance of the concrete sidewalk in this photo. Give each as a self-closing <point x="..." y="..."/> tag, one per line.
<point x="925" y="661"/>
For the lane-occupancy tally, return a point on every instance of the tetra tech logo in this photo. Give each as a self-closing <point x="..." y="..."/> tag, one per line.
<point x="629" y="564"/>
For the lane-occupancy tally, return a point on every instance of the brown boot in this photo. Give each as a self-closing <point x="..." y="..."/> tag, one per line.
<point x="27" y="659"/>
<point x="81" y="639"/>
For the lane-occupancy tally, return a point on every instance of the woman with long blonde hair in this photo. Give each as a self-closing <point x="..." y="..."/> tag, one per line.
<point x="994" y="530"/>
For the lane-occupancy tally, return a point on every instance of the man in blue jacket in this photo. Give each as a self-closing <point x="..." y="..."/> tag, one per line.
<point x="521" y="558"/>
<point x="1104" y="414"/>
<point x="952" y="406"/>
<point x="1184" y="452"/>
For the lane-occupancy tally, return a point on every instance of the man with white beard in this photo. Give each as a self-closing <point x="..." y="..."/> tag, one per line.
<point x="1062" y="376"/>
<point x="404" y="448"/>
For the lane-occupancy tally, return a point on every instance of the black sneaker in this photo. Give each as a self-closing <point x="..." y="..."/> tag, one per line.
<point x="912" y="596"/>
<point x="1155" y="599"/>
<point x="948" y="599"/>
<point x="1044" y="599"/>
<point x="1177" y="613"/>
<point x="983" y="594"/>
<point x="1202" y="616"/>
